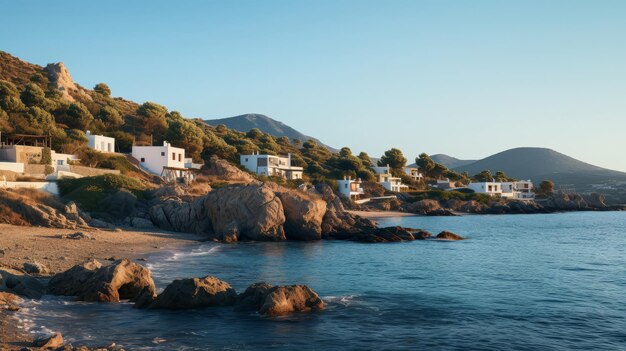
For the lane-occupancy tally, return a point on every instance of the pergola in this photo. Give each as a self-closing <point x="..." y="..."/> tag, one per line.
<point x="30" y="140"/>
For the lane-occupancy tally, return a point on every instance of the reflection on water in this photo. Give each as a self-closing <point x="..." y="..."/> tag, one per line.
<point x="522" y="282"/>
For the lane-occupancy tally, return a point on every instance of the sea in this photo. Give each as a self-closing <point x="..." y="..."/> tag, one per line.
<point x="519" y="282"/>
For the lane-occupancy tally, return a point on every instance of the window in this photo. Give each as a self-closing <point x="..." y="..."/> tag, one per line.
<point x="180" y="157"/>
<point x="162" y="153"/>
<point x="173" y="156"/>
<point x="246" y="160"/>
<point x="143" y="159"/>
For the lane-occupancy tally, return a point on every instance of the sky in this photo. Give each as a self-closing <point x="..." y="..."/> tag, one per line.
<point x="464" y="78"/>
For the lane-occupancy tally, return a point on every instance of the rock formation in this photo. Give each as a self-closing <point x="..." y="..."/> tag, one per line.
<point x="53" y="341"/>
<point x="279" y="300"/>
<point x="304" y="214"/>
<point x="60" y="78"/>
<point x="26" y="210"/>
<point x="21" y="284"/>
<point x="194" y="293"/>
<point x="445" y="235"/>
<point x="225" y="171"/>
<point x="91" y="281"/>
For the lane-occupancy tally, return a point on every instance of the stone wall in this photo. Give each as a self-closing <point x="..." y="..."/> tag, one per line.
<point x="92" y="172"/>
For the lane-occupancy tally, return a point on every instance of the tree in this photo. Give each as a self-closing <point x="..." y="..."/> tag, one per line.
<point x="365" y="159"/>
<point x="40" y="119"/>
<point x="186" y="135"/>
<point x="46" y="156"/>
<point x="500" y="176"/>
<point x="33" y="95"/>
<point x="439" y="170"/>
<point x="394" y="158"/>
<point x="546" y="187"/>
<point x="254" y="133"/>
<point x="111" y="117"/>
<point x="484" y="176"/>
<point x="425" y="163"/>
<point x="103" y="89"/>
<point x="77" y="116"/>
<point x="10" y="97"/>
<point x="153" y="117"/>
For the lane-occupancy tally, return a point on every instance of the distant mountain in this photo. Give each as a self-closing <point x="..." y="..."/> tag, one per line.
<point x="449" y="161"/>
<point x="244" y="123"/>
<point x="540" y="164"/>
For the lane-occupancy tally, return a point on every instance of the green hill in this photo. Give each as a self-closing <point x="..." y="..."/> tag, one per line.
<point x="449" y="161"/>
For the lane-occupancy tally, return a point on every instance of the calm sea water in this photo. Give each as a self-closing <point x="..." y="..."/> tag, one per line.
<point x="521" y="282"/>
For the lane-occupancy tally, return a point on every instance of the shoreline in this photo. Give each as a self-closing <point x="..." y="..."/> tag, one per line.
<point x="19" y="244"/>
<point x="381" y="214"/>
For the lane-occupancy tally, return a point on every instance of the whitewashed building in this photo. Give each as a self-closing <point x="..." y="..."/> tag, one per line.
<point x="350" y="188"/>
<point x="518" y="190"/>
<point x="100" y="142"/>
<point x="190" y="164"/>
<point x="413" y="172"/>
<point x="387" y="180"/>
<point x="155" y="158"/>
<point x="271" y="165"/>
<point x="491" y="188"/>
<point x="444" y="184"/>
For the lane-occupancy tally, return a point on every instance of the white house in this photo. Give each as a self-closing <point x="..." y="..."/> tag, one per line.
<point x="271" y="165"/>
<point x="189" y="164"/>
<point x="61" y="162"/>
<point x="350" y="188"/>
<point x="413" y="172"/>
<point x="444" y="184"/>
<point x="100" y="142"/>
<point x="491" y="188"/>
<point x="387" y="180"/>
<point x="155" y="158"/>
<point x="518" y="190"/>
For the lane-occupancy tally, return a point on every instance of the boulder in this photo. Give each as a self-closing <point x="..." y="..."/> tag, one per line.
<point x="421" y="235"/>
<point x="195" y="293"/>
<point x="78" y="236"/>
<point x="118" y="205"/>
<point x="139" y="222"/>
<point x="304" y="214"/>
<point x="21" y="284"/>
<point x="225" y="171"/>
<point x="73" y="213"/>
<point x="35" y="268"/>
<point x="35" y="210"/>
<point x="122" y="279"/>
<point x="281" y="300"/>
<point x="337" y="220"/>
<point x="72" y="281"/>
<point x="242" y="212"/>
<point x="445" y="235"/>
<point x="53" y="341"/>
<point x="252" y="298"/>
<point x="423" y="206"/>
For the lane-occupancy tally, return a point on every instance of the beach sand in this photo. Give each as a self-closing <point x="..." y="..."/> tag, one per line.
<point x="381" y="214"/>
<point x="44" y="245"/>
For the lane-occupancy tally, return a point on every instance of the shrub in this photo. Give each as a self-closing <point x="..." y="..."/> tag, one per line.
<point x="88" y="192"/>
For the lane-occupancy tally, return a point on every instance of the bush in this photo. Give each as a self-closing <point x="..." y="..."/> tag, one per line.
<point x="88" y="192"/>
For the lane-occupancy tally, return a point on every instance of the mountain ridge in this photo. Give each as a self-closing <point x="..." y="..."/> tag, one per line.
<point x="266" y="124"/>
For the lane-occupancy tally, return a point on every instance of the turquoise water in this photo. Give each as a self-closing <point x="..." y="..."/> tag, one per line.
<point x="521" y="282"/>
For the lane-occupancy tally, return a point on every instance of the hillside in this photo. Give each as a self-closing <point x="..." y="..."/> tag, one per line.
<point x="540" y="164"/>
<point x="449" y="161"/>
<point x="244" y="123"/>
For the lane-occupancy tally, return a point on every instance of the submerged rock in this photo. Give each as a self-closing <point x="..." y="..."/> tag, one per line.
<point x="445" y="235"/>
<point x="91" y="281"/>
<point x="194" y="293"/>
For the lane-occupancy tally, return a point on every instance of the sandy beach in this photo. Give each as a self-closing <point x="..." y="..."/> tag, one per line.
<point x="45" y="245"/>
<point x="381" y="214"/>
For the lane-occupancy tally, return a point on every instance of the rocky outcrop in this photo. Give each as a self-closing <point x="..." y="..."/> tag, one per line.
<point x="304" y="214"/>
<point x="27" y="208"/>
<point x="59" y="77"/>
<point x="381" y="235"/>
<point x="445" y="235"/>
<point x="426" y="206"/>
<point x="9" y="301"/>
<point x="245" y="212"/>
<point x="91" y="281"/>
<point x="21" y="284"/>
<point x="225" y="171"/>
<point x="279" y="300"/>
<point x="337" y="220"/>
<point x="194" y="293"/>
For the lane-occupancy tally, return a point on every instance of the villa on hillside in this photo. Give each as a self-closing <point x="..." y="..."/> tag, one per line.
<point x="271" y="165"/>
<point x="20" y="150"/>
<point x="516" y="190"/>
<point x="387" y="180"/>
<point x="100" y="142"/>
<point x="413" y="172"/>
<point x="350" y="188"/>
<point x="166" y="161"/>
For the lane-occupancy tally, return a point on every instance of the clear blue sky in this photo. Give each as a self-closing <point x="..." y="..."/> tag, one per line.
<point x="465" y="78"/>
